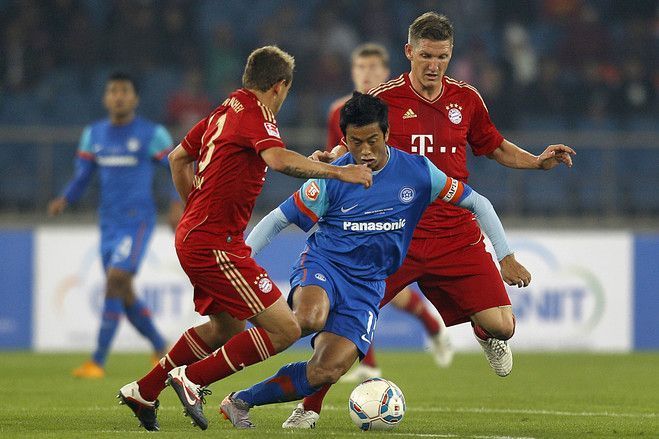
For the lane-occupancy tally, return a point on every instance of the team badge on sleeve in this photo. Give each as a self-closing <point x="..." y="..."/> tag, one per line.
<point x="272" y="129"/>
<point x="312" y="191"/>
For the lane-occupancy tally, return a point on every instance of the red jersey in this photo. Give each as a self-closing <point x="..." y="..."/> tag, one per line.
<point x="230" y="171"/>
<point x="440" y="130"/>
<point x="334" y="134"/>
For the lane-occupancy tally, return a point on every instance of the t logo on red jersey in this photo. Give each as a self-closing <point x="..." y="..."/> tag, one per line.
<point x="312" y="191"/>
<point x="422" y="148"/>
<point x="272" y="129"/>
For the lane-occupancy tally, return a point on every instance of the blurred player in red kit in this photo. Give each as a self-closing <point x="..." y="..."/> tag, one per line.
<point x="232" y="147"/>
<point x="433" y="115"/>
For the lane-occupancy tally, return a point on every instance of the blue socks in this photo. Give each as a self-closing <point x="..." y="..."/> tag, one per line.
<point x="288" y="384"/>
<point x="140" y="317"/>
<point x="113" y="308"/>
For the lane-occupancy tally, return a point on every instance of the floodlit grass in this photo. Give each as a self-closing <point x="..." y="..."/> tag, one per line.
<point x="546" y="396"/>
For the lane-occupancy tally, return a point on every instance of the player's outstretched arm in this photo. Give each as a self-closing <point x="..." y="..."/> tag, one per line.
<point x="291" y="163"/>
<point x="512" y="156"/>
<point x="85" y="167"/>
<point x="180" y="165"/>
<point x="269" y="227"/>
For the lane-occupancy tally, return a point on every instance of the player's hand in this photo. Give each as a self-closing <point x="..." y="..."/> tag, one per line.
<point x="359" y="174"/>
<point x="57" y="206"/>
<point x="555" y="155"/>
<point x="514" y="273"/>
<point x="323" y="156"/>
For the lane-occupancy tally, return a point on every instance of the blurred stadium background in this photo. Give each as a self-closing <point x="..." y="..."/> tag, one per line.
<point x="577" y="72"/>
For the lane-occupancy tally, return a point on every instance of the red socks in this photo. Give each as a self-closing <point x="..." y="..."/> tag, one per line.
<point x="242" y="350"/>
<point x="369" y="358"/>
<point x="481" y="333"/>
<point x="315" y="401"/>
<point x="188" y="349"/>
<point x="416" y="306"/>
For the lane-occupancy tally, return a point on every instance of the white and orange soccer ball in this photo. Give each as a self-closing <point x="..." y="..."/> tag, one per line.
<point x="376" y="404"/>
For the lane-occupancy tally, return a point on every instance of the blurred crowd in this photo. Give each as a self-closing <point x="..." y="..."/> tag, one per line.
<point x="539" y="64"/>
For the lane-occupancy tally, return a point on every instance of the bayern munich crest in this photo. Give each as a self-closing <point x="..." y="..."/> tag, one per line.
<point x="406" y="194"/>
<point x="265" y="285"/>
<point x="454" y="113"/>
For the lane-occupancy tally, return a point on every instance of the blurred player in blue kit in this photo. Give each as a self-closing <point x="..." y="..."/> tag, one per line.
<point x="362" y="237"/>
<point x="124" y="147"/>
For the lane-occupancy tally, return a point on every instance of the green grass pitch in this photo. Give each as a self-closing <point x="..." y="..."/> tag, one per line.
<point x="546" y="396"/>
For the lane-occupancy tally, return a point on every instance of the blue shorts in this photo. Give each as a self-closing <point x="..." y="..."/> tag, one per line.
<point x="123" y="247"/>
<point x="353" y="302"/>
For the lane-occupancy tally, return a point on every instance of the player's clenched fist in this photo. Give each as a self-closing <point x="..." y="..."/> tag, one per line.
<point x="360" y="174"/>
<point x="514" y="273"/>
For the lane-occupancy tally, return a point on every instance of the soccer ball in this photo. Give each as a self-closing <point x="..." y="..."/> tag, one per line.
<point x="376" y="404"/>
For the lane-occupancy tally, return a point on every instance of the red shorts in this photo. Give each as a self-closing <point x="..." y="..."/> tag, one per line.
<point x="229" y="282"/>
<point x="455" y="273"/>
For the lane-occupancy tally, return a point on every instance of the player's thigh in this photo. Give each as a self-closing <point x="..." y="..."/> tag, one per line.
<point x="314" y="288"/>
<point x="219" y="329"/>
<point x="311" y="306"/>
<point x="126" y="246"/>
<point x="332" y="357"/>
<point x="225" y="282"/>
<point x="409" y="272"/>
<point x="278" y="318"/>
<point x="462" y="283"/>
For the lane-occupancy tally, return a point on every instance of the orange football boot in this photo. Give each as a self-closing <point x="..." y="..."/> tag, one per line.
<point x="89" y="370"/>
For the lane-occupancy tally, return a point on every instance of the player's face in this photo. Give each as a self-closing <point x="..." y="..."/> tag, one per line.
<point x="120" y="99"/>
<point x="282" y="92"/>
<point x="368" y="72"/>
<point x="368" y="145"/>
<point x="429" y="61"/>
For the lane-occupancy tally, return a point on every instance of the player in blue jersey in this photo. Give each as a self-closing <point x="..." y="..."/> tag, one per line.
<point x="124" y="148"/>
<point x="362" y="237"/>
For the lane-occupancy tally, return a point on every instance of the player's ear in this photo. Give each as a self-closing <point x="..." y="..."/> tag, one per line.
<point x="280" y="86"/>
<point x="408" y="51"/>
<point x="386" y="136"/>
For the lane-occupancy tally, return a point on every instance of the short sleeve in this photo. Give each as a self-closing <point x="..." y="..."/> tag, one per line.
<point x="306" y="206"/>
<point x="483" y="136"/>
<point x="260" y="128"/>
<point x="85" y="149"/>
<point x="192" y="141"/>
<point x="161" y="143"/>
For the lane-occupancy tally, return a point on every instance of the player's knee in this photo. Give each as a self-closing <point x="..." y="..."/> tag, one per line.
<point x="118" y="286"/>
<point x="505" y="329"/>
<point x="310" y="319"/>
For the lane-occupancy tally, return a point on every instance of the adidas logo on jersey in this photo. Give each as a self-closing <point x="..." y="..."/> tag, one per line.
<point x="373" y="226"/>
<point x="409" y="114"/>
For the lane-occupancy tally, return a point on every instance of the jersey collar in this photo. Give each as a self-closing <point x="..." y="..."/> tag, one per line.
<point x="441" y="93"/>
<point x="386" y="163"/>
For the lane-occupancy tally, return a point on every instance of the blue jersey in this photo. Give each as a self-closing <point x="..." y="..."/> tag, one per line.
<point x="367" y="231"/>
<point x="125" y="155"/>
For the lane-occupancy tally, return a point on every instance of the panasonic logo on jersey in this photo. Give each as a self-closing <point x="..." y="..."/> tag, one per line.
<point x="373" y="226"/>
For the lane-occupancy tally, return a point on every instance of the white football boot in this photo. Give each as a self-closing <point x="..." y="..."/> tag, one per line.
<point x="441" y="349"/>
<point x="498" y="354"/>
<point x="301" y="418"/>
